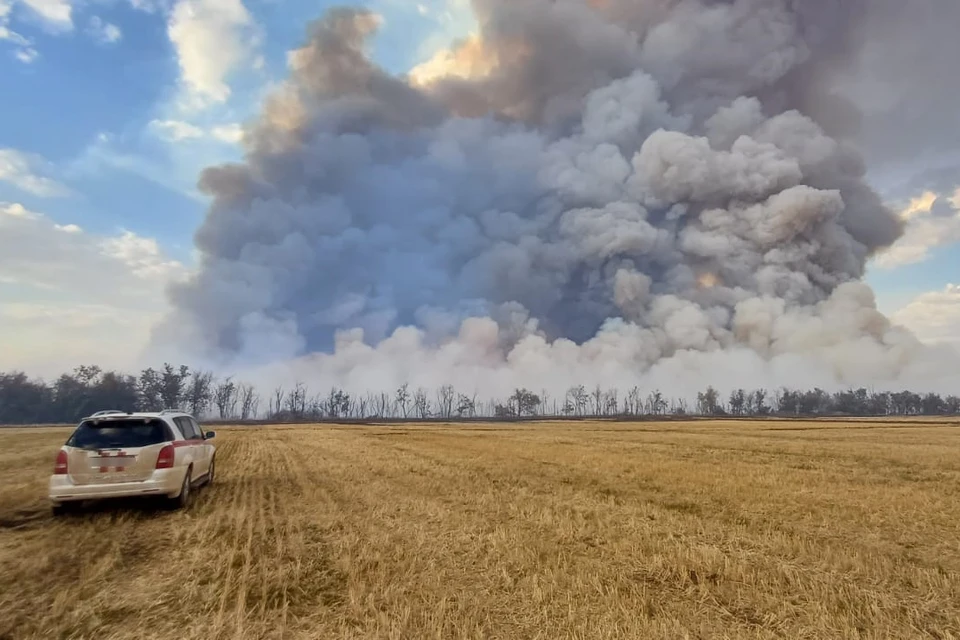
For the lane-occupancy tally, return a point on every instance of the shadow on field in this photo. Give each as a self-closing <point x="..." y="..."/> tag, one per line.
<point x="136" y="507"/>
<point x="21" y="519"/>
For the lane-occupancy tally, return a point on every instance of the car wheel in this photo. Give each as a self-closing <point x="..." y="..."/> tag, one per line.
<point x="61" y="509"/>
<point x="210" y="472"/>
<point x="183" y="500"/>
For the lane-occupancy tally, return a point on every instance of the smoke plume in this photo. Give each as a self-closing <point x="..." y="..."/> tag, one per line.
<point x="589" y="191"/>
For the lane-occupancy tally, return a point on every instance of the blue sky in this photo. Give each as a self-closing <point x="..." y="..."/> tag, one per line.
<point x="112" y="107"/>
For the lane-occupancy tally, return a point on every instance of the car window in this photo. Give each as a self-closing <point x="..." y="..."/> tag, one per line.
<point x="185" y="428"/>
<point x="197" y="428"/>
<point x="119" y="434"/>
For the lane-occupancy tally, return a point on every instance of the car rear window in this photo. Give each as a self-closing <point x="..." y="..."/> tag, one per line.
<point x="110" y="434"/>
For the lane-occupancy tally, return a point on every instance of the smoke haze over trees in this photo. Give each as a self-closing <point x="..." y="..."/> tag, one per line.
<point x="89" y="389"/>
<point x="621" y="193"/>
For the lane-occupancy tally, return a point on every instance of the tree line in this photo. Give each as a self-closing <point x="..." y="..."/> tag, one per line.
<point x="88" y="388"/>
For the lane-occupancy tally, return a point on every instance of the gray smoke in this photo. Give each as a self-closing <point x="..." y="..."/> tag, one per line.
<point x="659" y="188"/>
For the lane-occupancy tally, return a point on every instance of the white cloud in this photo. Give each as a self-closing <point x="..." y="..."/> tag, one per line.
<point x="57" y="15"/>
<point x="24" y="46"/>
<point x="231" y="132"/>
<point x="213" y="38"/>
<point x="934" y="316"/>
<point x="72" y="297"/>
<point x="176" y="130"/>
<point x="26" y="172"/>
<point x="26" y="55"/>
<point x="150" y="6"/>
<point x="932" y="220"/>
<point x="103" y="32"/>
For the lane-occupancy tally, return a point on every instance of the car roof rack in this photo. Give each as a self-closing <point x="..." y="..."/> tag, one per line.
<point x="170" y="411"/>
<point x="109" y="412"/>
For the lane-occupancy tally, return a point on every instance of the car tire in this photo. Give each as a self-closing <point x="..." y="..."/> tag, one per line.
<point x="182" y="501"/>
<point x="210" y="472"/>
<point x="60" y="509"/>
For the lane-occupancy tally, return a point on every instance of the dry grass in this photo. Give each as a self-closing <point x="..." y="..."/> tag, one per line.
<point x="602" y="530"/>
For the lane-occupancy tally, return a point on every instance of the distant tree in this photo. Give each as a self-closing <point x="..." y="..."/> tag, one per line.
<point x="421" y="403"/>
<point x="597" y="401"/>
<point x="879" y="404"/>
<point x="655" y="404"/>
<point x="576" y="399"/>
<point x="224" y="397"/>
<point x="25" y="401"/>
<point x="249" y="401"/>
<point x="276" y="401"/>
<point x="814" y="402"/>
<point x="524" y="402"/>
<point x="446" y="396"/>
<point x="199" y="393"/>
<point x="757" y="403"/>
<point x="708" y="402"/>
<point x="172" y="382"/>
<point x="504" y="411"/>
<point x="381" y="405"/>
<point x="466" y="406"/>
<point x="933" y="405"/>
<point x="952" y="405"/>
<point x="634" y="404"/>
<point x="738" y="402"/>
<point x="150" y="387"/>
<point x="403" y="397"/>
<point x="296" y="404"/>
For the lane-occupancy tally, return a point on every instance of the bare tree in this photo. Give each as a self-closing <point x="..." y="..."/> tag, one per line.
<point x="466" y="406"/>
<point x="296" y="405"/>
<point x="199" y="393"/>
<point x="362" y="403"/>
<point x="576" y="401"/>
<point x="421" y="403"/>
<point x="224" y="397"/>
<point x="403" y="397"/>
<point x="338" y="403"/>
<point x="248" y="401"/>
<point x="445" y="399"/>
<point x="738" y="402"/>
<point x="708" y="402"/>
<point x="610" y="403"/>
<point x="634" y="404"/>
<point x="381" y="405"/>
<point x="656" y="404"/>
<point x="276" y="401"/>
<point x="544" y="399"/>
<point x="597" y="401"/>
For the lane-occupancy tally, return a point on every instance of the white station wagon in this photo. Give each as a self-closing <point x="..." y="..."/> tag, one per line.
<point x="115" y="454"/>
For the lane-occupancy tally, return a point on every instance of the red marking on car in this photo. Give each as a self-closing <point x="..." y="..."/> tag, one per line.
<point x="187" y="443"/>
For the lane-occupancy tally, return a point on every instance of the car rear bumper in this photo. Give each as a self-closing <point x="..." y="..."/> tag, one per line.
<point x="163" y="482"/>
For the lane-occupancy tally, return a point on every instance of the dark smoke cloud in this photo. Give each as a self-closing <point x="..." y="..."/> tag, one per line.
<point x="635" y="188"/>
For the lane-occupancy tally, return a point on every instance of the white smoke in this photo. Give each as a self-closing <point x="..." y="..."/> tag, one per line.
<point x="664" y="192"/>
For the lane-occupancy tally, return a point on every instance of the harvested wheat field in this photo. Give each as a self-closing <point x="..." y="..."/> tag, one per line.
<point x="570" y="530"/>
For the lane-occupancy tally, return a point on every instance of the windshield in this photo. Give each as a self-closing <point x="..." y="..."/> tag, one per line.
<point x="113" y="434"/>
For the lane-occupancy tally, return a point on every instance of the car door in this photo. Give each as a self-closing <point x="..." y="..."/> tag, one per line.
<point x="203" y="449"/>
<point x="194" y="444"/>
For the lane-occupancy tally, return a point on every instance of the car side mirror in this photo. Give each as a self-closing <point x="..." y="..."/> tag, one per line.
<point x="210" y="434"/>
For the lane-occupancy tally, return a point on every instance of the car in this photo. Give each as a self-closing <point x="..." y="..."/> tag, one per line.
<point x="119" y="454"/>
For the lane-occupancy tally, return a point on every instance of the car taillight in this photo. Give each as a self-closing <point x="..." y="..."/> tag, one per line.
<point x="165" y="459"/>
<point x="60" y="468"/>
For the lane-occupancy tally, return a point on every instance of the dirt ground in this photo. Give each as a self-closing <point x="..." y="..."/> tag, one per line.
<point x="542" y="530"/>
